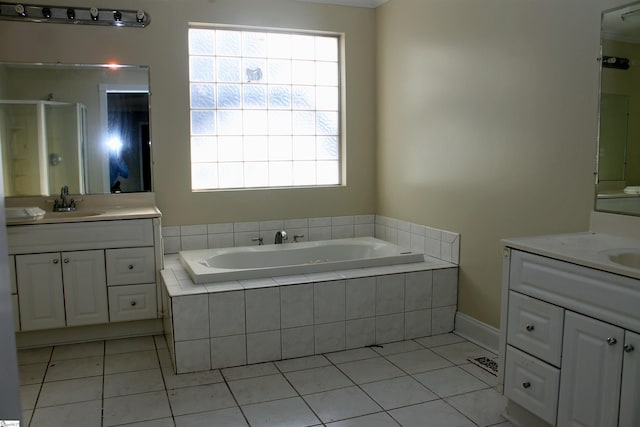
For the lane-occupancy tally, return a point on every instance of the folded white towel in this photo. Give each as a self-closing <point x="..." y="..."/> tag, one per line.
<point x="24" y="213"/>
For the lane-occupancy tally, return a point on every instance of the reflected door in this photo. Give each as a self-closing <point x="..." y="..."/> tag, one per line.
<point x="614" y="118"/>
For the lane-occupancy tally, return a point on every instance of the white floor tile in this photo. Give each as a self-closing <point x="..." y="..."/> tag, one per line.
<point x="230" y="417"/>
<point x="380" y="419"/>
<point x="200" y="398"/>
<point x="34" y="355"/>
<point x="75" y="368"/>
<point x="397" y="347"/>
<point x="136" y="408"/>
<point x="70" y="391"/>
<point x="369" y="370"/>
<point x="351" y="355"/>
<point x="26" y="417"/>
<point x="341" y="404"/>
<point x="450" y="381"/>
<point x="483" y="407"/>
<point x="78" y="351"/>
<point x="459" y="353"/>
<point x="481" y="374"/>
<point x="84" y="414"/>
<point x="302" y="363"/>
<point x="261" y="389"/>
<point x="32" y="373"/>
<point x="437" y="412"/>
<point x="318" y="379"/>
<point x="129" y="345"/>
<point x="398" y="392"/>
<point x="188" y="380"/>
<point x="418" y="361"/>
<point x="292" y="412"/>
<point x="132" y="383"/>
<point x="438" y="340"/>
<point x="28" y="396"/>
<point x="162" y="422"/>
<point x="249" y="371"/>
<point x="128" y="362"/>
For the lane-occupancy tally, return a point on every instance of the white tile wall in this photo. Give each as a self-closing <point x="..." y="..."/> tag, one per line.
<point x="263" y="347"/>
<point x="226" y="313"/>
<point x="360" y="298"/>
<point x="229" y="351"/>
<point x="416" y="237"/>
<point x="329" y="301"/>
<point x="263" y="310"/>
<point x="297" y="342"/>
<point x="296" y="305"/>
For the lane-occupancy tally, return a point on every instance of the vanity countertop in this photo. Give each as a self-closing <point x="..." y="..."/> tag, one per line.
<point x="90" y="208"/>
<point x="587" y="249"/>
<point x="85" y="215"/>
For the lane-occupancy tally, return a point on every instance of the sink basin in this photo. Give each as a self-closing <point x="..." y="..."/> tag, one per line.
<point x="626" y="257"/>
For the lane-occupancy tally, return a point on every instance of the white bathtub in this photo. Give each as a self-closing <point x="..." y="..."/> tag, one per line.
<point x="253" y="262"/>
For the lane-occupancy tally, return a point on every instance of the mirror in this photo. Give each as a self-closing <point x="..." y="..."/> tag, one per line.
<point x="618" y="184"/>
<point x="84" y="126"/>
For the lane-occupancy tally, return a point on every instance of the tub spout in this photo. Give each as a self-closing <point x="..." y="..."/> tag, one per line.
<point x="281" y="236"/>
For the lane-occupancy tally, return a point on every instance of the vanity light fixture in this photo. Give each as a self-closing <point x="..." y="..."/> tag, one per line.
<point x="73" y="15"/>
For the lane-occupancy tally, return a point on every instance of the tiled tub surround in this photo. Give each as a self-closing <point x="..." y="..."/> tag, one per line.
<point x="434" y="242"/>
<point x="212" y="326"/>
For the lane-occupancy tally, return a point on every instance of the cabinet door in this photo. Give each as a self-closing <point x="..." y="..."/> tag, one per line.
<point x="590" y="374"/>
<point x="85" y="287"/>
<point x="630" y="393"/>
<point x="41" y="298"/>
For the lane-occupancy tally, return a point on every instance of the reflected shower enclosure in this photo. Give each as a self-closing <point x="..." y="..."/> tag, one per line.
<point x="128" y="142"/>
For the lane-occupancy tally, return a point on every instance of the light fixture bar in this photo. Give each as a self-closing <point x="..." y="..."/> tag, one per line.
<point x="73" y="15"/>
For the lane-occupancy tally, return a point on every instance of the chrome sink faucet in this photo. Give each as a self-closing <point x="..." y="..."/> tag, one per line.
<point x="281" y="236"/>
<point x="64" y="203"/>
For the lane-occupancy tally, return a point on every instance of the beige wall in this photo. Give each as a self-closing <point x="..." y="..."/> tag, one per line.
<point x="162" y="46"/>
<point x="487" y="124"/>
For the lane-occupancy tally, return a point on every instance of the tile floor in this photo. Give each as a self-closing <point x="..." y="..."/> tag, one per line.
<point x="422" y="382"/>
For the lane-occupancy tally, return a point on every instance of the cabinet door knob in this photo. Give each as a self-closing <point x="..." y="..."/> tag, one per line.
<point x="611" y="341"/>
<point x="628" y="348"/>
<point x="66" y="260"/>
<point x="55" y="261"/>
<point x="530" y="328"/>
<point x="133" y="303"/>
<point x="526" y="384"/>
<point x="130" y="266"/>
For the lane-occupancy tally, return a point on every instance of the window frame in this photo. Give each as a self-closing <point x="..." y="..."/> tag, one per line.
<point x="341" y="174"/>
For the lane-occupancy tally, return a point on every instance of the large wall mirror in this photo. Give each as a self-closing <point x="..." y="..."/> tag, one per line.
<point x="618" y="185"/>
<point x="83" y="126"/>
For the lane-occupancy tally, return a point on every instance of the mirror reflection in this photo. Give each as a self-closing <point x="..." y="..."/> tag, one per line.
<point x="618" y="185"/>
<point x="84" y="126"/>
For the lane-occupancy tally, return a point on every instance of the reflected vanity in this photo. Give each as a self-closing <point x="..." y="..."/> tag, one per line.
<point x="618" y="183"/>
<point x="85" y="126"/>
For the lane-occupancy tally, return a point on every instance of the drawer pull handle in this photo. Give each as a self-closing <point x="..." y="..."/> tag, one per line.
<point x="130" y="266"/>
<point x="611" y="341"/>
<point x="66" y="260"/>
<point x="526" y="384"/>
<point x="133" y="303"/>
<point x="530" y="328"/>
<point x="55" y="261"/>
<point x="628" y="348"/>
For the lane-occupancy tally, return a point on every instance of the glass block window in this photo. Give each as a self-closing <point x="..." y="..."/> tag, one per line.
<point x="265" y="109"/>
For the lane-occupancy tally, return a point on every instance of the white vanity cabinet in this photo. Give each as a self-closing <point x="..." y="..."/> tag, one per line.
<point x="84" y="273"/>
<point x="61" y="289"/>
<point x="569" y="343"/>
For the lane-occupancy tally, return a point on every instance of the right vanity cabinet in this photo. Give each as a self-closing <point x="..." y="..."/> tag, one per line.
<point x="571" y="344"/>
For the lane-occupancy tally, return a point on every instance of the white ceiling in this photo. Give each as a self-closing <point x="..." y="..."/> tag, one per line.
<point x="356" y="3"/>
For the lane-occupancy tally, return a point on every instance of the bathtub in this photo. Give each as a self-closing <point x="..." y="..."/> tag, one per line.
<point x="253" y="262"/>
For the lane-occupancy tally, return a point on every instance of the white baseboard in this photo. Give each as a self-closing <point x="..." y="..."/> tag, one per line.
<point x="477" y="332"/>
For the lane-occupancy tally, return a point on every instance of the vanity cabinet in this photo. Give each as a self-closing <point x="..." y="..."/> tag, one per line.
<point x="101" y="272"/>
<point x="569" y="343"/>
<point x="61" y="289"/>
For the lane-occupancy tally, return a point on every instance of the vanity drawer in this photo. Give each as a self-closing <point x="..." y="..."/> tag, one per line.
<point x="577" y="288"/>
<point x="133" y="302"/>
<point x="16" y="312"/>
<point x="532" y="384"/>
<point x="535" y="327"/>
<point x="130" y="266"/>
